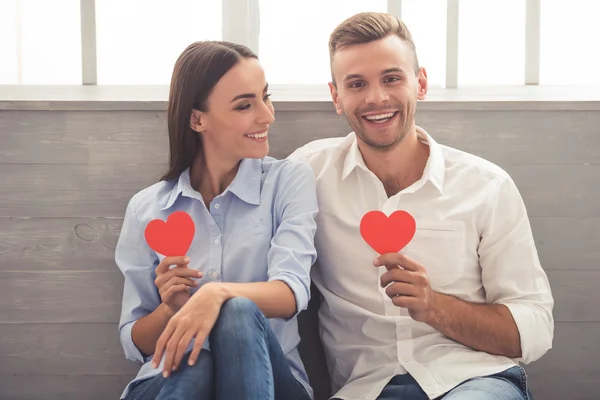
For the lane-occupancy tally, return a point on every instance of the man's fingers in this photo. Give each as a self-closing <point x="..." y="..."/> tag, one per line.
<point x="395" y="259"/>
<point x="401" y="289"/>
<point x="168" y="261"/>
<point x="408" y="302"/>
<point x="396" y="275"/>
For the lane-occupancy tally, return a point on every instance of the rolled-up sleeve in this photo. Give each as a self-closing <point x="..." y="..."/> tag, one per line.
<point x="137" y="262"/>
<point x="292" y="251"/>
<point x="511" y="270"/>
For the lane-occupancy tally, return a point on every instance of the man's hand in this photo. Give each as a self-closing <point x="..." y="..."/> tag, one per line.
<point x="195" y="320"/>
<point x="407" y="284"/>
<point x="174" y="284"/>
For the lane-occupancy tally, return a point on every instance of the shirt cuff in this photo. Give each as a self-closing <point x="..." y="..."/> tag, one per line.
<point x="301" y="293"/>
<point x="535" y="330"/>
<point x="131" y="351"/>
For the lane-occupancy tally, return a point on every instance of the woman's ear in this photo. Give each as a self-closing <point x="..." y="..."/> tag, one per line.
<point x="198" y="121"/>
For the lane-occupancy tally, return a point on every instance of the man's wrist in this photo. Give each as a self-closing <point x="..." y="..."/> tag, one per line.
<point x="434" y="316"/>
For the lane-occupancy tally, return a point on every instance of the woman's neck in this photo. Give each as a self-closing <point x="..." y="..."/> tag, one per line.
<point x="211" y="175"/>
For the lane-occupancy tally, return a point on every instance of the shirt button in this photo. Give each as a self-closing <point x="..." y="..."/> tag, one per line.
<point x="216" y="241"/>
<point x="213" y="275"/>
<point x="217" y="206"/>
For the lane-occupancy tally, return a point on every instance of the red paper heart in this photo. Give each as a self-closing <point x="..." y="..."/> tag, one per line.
<point x="171" y="238"/>
<point x="387" y="235"/>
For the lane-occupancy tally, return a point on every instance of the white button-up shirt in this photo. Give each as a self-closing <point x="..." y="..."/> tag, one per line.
<point x="474" y="238"/>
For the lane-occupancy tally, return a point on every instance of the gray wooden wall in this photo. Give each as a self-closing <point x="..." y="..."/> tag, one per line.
<point x="66" y="177"/>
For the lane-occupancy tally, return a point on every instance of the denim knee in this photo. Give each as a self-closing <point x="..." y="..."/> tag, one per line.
<point x="238" y="316"/>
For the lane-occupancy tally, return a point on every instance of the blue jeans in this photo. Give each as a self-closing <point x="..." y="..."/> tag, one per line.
<point x="245" y="362"/>
<point x="506" y="385"/>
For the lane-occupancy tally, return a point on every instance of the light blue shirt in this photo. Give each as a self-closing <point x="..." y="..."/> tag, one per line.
<point x="261" y="228"/>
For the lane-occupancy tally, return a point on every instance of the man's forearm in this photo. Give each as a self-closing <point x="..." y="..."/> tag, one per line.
<point x="484" y="327"/>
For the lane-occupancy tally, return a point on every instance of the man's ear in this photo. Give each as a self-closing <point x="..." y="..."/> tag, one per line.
<point x="335" y="98"/>
<point x="423" y="83"/>
<point x="198" y="121"/>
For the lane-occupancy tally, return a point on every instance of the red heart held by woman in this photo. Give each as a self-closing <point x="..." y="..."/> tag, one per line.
<point x="171" y="238"/>
<point x="387" y="235"/>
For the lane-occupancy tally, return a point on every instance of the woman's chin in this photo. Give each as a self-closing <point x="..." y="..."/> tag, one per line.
<point x="257" y="153"/>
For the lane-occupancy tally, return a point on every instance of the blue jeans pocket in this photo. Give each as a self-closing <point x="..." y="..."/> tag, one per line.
<point x="517" y="376"/>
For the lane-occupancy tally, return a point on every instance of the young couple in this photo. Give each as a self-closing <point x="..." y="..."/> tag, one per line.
<point x="450" y="316"/>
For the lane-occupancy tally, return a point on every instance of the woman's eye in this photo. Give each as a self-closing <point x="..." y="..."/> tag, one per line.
<point x="243" y="107"/>
<point x="267" y="97"/>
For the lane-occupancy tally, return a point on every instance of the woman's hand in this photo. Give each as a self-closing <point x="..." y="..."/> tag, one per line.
<point x="194" y="320"/>
<point x="174" y="284"/>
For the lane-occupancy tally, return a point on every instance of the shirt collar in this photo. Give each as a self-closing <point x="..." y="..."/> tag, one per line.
<point x="247" y="181"/>
<point x="245" y="185"/>
<point x="434" y="169"/>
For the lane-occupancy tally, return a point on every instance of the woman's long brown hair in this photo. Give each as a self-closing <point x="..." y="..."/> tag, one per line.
<point x="196" y="72"/>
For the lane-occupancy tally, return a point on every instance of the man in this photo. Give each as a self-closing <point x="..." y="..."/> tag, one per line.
<point x="456" y="310"/>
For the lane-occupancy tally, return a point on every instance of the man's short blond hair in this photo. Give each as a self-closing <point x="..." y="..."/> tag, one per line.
<point x="368" y="27"/>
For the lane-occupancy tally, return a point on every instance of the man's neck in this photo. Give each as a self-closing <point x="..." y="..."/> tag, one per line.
<point x="398" y="167"/>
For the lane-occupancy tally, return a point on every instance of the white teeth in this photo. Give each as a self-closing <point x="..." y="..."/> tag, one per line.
<point x="258" y="135"/>
<point x="379" y="116"/>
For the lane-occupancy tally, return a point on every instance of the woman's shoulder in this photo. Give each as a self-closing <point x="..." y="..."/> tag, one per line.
<point x="153" y="197"/>
<point x="288" y="177"/>
<point x="286" y="169"/>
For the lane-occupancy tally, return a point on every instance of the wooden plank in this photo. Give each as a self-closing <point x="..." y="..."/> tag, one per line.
<point x="34" y="244"/>
<point x="89" y="243"/>
<point x="518" y="137"/>
<point x="65" y="349"/>
<point x="115" y="137"/>
<point x="63" y="190"/>
<point x="293" y="129"/>
<point x="555" y="190"/>
<point x="570" y="370"/>
<point x="94" y="190"/>
<point x="576" y="295"/>
<point x="62" y="387"/>
<point x="95" y="296"/>
<point x="567" y="243"/>
<point x="61" y="296"/>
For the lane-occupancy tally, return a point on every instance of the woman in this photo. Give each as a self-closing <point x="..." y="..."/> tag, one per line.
<point x="221" y="323"/>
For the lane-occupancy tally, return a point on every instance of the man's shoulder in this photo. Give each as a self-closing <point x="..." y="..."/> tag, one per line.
<point x="471" y="164"/>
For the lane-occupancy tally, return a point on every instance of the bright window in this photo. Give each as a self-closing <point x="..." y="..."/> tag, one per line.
<point x="426" y="21"/>
<point x="569" y="42"/>
<point x="294" y="36"/>
<point x="139" y="41"/>
<point x="491" y="42"/>
<point x="40" y="42"/>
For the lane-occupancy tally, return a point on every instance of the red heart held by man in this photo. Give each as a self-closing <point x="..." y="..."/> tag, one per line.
<point x="387" y="234"/>
<point x="171" y="238"/>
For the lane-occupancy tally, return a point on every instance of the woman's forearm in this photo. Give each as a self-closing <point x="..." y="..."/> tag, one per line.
<point x="146" y="330"/>
<point x="275" y="299"/>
